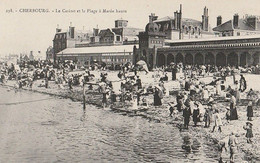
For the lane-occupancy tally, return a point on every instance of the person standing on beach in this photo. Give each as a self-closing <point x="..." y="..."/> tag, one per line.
<point x="233" y="109"/>
<point x="157" y="96"/>
<point x="139" y="82"/>
<point x="232" y="142"/>
<point x="186" y="115"/>
<point x="249" y="131"/>
<point x="250" y="111"/>
<point x="104" y="94"/>
<point x="174" y="72"/>
<point x="217" y="120"/>
<point x="242" y="82"/>
<point x="195" y="114"/>
<point x="207" y="116"/>
<point x="221" y="148"/>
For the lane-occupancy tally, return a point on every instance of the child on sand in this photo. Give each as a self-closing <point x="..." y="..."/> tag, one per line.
<point x="249" y="131"/>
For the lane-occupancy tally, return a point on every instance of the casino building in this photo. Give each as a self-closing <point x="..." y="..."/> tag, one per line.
<point x="158" y="48"/>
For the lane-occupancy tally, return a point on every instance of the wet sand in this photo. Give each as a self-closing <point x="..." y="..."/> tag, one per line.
<point x="246" y="152"/>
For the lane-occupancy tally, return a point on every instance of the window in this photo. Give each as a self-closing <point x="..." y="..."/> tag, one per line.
<point x="117" y="38"/>
<point x="238" y="33"/>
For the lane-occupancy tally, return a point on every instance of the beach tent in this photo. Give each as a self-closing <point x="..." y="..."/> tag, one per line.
<point x="143" y="65"/>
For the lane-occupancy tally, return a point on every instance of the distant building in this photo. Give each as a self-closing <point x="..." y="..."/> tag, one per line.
<point x="69" y="39"/>
<point x="86" y="56"/>
<point x="111" y="46"/>
<point x="247" y="25"/>
<point x="157" y="51"/>
<point x="121" y="34"/>
<point x="177" y="27"/>
<point x="50" y="54"/>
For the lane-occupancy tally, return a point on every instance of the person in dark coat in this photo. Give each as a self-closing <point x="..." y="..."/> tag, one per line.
<point x="113" y="97"/>
<point x="233" y="113"/>
<point x="187" y="85"/>
<point x="139" y="82"/>
<point x="174" y="72"/>
<point x="207" y="116"/>
<point x="249" y="131"/>
<point x="157" y="97"/>
<point x="186" y="115"/>
<point x="195" y="115"/>
<point x="249" y="111"/>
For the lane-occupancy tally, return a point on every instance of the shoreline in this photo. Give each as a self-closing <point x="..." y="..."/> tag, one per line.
<point x="246" y="152"/>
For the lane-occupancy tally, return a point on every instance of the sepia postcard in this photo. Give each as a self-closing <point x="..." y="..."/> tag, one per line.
<point x="129" y="81"/>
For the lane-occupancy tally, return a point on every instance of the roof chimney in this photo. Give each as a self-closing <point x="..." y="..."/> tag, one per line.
<point x="219" y="20"/>
<point x="152" y="17"/>
<point x="58" y="29"/>
<point x="71" y="31"/>
<point x="235" y="20"/>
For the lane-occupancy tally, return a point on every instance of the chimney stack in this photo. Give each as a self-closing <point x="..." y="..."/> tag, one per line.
<point x="71" y="31"/>
<point x="180" y="22"/>
<point x="58" y="29"/>
<point x="152" y="17"/>
<point x="219" y="20"/>
<point x="205" y="19"/>
<point x="235" y="20"/>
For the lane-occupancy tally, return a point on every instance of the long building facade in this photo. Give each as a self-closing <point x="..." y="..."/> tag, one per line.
<point x="233" y="51"/>
<point x="157" y="50"/>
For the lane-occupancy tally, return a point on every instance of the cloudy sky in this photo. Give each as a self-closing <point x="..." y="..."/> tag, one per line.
<point x="21" y="32"/>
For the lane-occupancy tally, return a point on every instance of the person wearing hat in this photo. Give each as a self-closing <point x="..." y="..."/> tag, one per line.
<point x="249" y="131"/>
<point x="250" y="111"/>
<point x="196" y="113"/>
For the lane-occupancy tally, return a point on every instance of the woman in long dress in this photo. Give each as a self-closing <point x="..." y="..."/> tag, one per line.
<point x="195" y="115"/>
<point x="250" y="111"/>
<point x="157" y="98"/>
<point x="233" y="109"/>
<point x="218" y="88"/>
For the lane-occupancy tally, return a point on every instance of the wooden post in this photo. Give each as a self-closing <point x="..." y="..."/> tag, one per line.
<point x="84" y="98"/>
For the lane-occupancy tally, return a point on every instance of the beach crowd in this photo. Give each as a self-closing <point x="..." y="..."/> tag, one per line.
<point x="194" y="99"/>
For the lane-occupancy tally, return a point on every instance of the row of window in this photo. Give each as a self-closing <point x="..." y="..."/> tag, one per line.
<point x="156" y="42"/>
<point x="60" y="36"/>
<point x="116" y="60"/>
<point x="152" y="41"/>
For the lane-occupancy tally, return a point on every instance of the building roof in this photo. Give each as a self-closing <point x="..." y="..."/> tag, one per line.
<point x="242" y="25"/>
<point x="215" y="39"/>
<point x="227" y="26"/>
<point x="185" y="21"/>
<point x="98" y="49"/>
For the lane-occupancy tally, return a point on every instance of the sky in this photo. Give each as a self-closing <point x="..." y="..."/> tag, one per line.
<point x="22" y="32"/>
